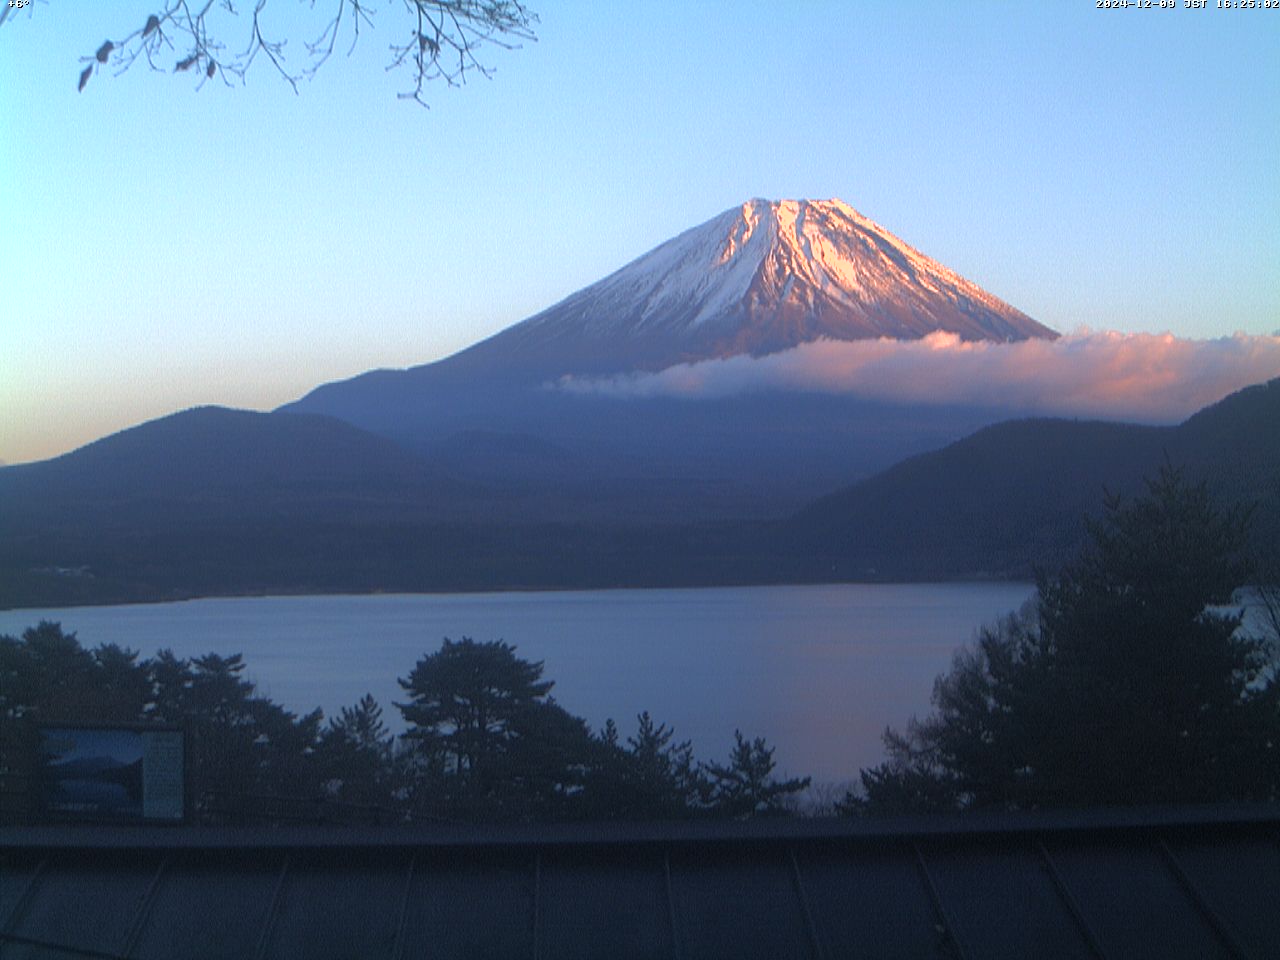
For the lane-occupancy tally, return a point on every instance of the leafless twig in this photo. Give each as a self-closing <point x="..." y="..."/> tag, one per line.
<point x="444" y="40"/>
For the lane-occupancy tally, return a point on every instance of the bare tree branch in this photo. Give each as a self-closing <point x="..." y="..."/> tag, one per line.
<point x="443" y="40"/>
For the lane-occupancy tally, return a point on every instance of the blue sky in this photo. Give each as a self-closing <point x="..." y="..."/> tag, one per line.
<point x="168" y="247"/>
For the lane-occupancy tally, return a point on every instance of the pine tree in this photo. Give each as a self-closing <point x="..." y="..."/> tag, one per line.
<point x="1129" y="682"/>
<point x="487" y="739"/>
<point x="746" y="787"/>
<point x="356" y="758"/>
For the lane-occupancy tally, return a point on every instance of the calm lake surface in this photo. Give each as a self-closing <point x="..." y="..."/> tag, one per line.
<point x="817" y="670"/>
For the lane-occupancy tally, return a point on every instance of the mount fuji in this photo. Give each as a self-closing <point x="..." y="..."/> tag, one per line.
<point x="489" y="469"/>
<point x="215" y="502"/>
<point x="757" y="279"/>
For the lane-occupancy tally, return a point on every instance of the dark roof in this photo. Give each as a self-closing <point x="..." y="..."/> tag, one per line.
<point x="1189" y="882"/>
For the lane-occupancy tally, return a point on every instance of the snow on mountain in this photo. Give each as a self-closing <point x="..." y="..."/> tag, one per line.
<point x="754" y="280"/>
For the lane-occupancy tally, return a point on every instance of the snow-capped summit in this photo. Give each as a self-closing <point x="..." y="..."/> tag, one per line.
<point x="756" y="279"/>
<point x="760" y="278"/>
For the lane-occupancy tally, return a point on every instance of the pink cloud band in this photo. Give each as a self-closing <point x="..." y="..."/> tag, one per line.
<point x="1156" y="378"/>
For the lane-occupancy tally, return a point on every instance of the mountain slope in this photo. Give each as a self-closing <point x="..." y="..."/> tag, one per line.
<point x="758" y="278"/>
<point x="754" y="280"/>
<point x="1011" y="496"/>
<point x="993" y="505"/>
<point x="213" y="459"/>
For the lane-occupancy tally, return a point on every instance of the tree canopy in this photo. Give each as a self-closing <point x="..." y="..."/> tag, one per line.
<point x="484" y="741"/>
<point x="1128" y="681"/>
<point x="746" y="786"/>
<point x="238" y="742"/>
<point x="483" y="728"/>
<point x="649" y="776"/>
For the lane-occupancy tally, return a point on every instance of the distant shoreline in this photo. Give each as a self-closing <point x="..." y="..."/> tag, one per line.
<point x="974" y="579"/>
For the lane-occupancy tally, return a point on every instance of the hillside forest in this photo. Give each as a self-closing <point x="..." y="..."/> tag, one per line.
<point x="1132" y="678"/>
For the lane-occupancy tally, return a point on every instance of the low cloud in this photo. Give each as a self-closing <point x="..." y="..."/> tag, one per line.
<point x="1156" y="378"/>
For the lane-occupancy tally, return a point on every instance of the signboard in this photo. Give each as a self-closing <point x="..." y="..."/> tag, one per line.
<point x="114" y="772"/>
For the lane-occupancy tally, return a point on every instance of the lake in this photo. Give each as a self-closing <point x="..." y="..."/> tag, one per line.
<point x="817" y="670"/>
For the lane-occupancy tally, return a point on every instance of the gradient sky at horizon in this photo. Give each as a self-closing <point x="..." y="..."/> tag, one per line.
<point x="168" y="247"/>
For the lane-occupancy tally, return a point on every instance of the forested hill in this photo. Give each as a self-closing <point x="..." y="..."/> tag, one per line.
<point x="215" y="502"/>
<point x="1010" y="497"/>
<point x="214" y="460"/>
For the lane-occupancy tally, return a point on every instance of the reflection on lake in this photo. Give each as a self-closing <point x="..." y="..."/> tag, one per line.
<point x="817" y="670"/>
